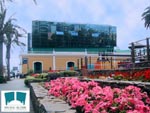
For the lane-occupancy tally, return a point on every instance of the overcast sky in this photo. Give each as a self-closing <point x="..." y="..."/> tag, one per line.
<point x="124" y="14"/>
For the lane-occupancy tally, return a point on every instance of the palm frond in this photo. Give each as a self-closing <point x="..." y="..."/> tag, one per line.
<point x="19" y="43"/>
<point x="35" y="1"/>
<point x="14" y="32"/>
<point x="20" y="28"/>
<point x="146" y="17"/>
<point x="8" y="24"/>
<point x="2" y="20"/>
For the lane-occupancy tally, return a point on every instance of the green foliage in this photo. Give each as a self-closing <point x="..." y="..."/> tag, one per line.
<point x="29" y="79"/>
<point x="139" y="78"/>
<point x="43" y="75"/>
<point x="2" y="79"/>
<point x="146" y="16"/>
<point x="69" y="73"/>
<point x="55" y="74"/>
<point x="118" y="77"/>
<point x="30" y="71"/>
<point x="63" y="73"/>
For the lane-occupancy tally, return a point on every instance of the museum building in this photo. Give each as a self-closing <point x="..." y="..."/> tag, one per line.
<point x="69" y="46"/>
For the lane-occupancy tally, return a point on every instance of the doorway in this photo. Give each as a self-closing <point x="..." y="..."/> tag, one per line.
<point x="70" y="65"/>
<point x="37" y="67"/>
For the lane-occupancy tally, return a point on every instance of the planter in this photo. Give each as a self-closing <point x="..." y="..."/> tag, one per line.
<point x="90" y="96"/>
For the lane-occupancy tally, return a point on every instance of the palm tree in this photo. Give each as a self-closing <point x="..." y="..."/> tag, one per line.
<point x="146" y="17"/>
<point x="3" y="28"/>
<point x="12" y="37"/>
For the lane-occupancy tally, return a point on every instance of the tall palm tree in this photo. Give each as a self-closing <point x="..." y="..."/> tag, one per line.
<point x="2" y="31"/>
<point x="146" y="17"/>
<point x="3" y="28"/>
<point x="14" y="32"/>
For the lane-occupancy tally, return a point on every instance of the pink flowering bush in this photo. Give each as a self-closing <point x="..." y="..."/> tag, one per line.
<point x="89" y="97"/>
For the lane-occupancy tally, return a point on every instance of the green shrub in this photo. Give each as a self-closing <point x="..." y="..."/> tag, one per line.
<point x="55" y="74"/>
<point x="39" y="75"/>
<point x="29" y="79"/>
<point x="43" y="75"/>
<point x="2" y="79"/>
<point x="30" y="71"/>
<point x="118" y="77"/>
<point x="69" y="73"/>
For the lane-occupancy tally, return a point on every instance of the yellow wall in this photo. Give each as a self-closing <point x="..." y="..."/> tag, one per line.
<point x="45" y="60"/>
<point x="61" y="62"/>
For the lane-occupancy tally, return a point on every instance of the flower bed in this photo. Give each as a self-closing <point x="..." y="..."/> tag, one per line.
<point x="129" y="74"/>
<point x="89" y="97"/>
<point x="36" y="77"/>
<point x="139" y="75"/>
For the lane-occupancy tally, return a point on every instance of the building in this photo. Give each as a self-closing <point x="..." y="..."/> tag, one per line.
<point x="62" y="36"/>
<point x="61" y="46"/>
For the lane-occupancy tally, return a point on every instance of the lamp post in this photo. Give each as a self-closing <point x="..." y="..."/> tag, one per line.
<point x="81" y="63"/>
<point x="78" y="64"/>
<point x="90" y="62"/>
<point x="133" y="54"/>
<point x="86" y="62"/>
<point x="147" y="46"/>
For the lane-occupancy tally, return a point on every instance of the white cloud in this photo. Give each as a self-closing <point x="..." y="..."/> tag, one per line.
<point x="130" y="26"/>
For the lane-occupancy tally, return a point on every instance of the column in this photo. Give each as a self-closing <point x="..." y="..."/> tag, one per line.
<point x="147" y="45"/>
<point x="54" y="60"/>
<point x="133" y="54"/>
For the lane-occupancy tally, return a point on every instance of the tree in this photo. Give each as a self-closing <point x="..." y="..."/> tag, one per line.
<point x="146" y="17"/>
<point x="12" y="37"/>
<point x="3" y="28"/>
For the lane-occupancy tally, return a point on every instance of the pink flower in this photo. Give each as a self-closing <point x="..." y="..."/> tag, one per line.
<point x="47" y="85"/>
<point x="88" y="108"/>
<point x="92" y="98"/>
<point x="133" y="111"/>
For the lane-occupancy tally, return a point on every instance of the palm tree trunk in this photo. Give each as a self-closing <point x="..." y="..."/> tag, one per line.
<point x="8" y="60"/>
<point x="1" y="55"/>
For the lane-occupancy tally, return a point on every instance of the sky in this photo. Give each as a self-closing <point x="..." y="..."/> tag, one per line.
<point x="124" y="14"/>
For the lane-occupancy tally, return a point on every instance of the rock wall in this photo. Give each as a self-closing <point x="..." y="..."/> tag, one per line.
<point x="44" y="103"/>
<point x="145" y="86"/>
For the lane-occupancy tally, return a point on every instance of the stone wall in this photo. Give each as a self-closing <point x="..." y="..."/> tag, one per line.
<point x="44" y="103"/>
<point x="145" y="86"/>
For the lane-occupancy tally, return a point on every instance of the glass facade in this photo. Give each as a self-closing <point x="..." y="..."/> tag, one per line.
<point x="67" y="35"/>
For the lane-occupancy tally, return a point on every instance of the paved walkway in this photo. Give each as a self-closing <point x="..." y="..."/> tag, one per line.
<point x="15" y="84"/>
